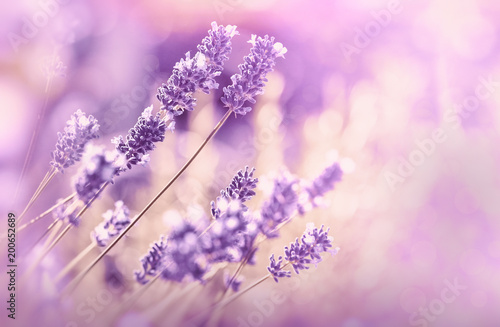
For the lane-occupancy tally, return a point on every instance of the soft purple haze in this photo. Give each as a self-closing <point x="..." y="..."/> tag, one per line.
<point x="403" y="94"/>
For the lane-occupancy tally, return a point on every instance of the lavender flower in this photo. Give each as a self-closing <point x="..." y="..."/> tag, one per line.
<point x="240" y="188"/>
<point x="141" y="139"/>
<point x="100" y="167"/>
<point x="53" y="66"/>
<point x="184" y="257"/>
<point x="114" y="222"/>
<point x="281" y="205"/>
<point x="325" y="182"/>
<point x="199" y="72"/>
<point x="79" y="130"/>
<point x="251" y="80"/>
<point x="276" y="269"/>
<point x="153" y="262"/>
<point x="300" y="254"/>
<point x="232" y="235"/>
<point x="235" y="283"/>
<point x="66" y="212"/>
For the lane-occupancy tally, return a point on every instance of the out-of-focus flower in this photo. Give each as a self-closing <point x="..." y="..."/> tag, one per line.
<point x="53" y="66"/>
<point x="235" y="283"/>
<point x="280" y="206"/>
<point x="153" y="262"/>
<point x="322" y="184"/>
<point x="70" y="145"/>
<point x="197" y="72"/>
<point x="66" y="212"/>
<point x="99" y="167"/>
<point x="232" y="235"/>
<point x="112" y="275"/>
<point x="251" y="80"/>
<point x="313" y="242"/>
<point x="114" y="222"/>
<point x="240" y="188"/>
<point x="141" y="139"/>
<point x="184" y="257"/>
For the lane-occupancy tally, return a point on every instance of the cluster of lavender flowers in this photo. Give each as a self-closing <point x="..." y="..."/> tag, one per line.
<point x="231" y="237"/>
<point x="176" y="95"/>
<point x="197" y="73"/>
<point x="312" y="244"/>
<point x="114" y="222"/>
<point x="232" y="234"/>
<point x="188" y="253"/>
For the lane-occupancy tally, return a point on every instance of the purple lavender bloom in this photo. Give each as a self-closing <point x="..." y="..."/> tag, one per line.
<point x="240" y="188"/>
<point x="66" y="212"/>
<point x="232" y="235"/>
<point x="235" y="283"/>
<point x="276" y="269"/>
<point x="281" y="205"/>
<point x="114" y="222"/>
<point x="251" y="80"/>
<point x="141" y="139"/>
<point x="184" y="257"/>
<point x="300" y="254"/>
<point x="199" y="72"/>
<point x="99" y="168"/>
<point x="70" y="145"/>
<point x="153" y="262"/>
<point x="324" y="183"/>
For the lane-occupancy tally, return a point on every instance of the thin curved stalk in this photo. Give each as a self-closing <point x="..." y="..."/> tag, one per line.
<point x="38" y="125"/>
<point x="68" y="227"/>
<point x="74" y="262"/>
<point x="43" y="184"/>
<point x="46" y="212"/>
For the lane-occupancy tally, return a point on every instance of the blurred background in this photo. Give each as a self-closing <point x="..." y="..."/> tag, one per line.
<point x="403" y="93"/>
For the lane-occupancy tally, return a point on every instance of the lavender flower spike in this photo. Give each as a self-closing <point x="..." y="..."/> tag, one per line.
<point x="325" y="182"/>
<point x="300" y="254"/>
<point x="153" y="262"/>
<point x="241" y="188"/>
<point x="232" y="235"/>
<point x="141" y="139"/>
<point x="79" y="130"/>
<point x="184" y="257"/>
<point x="100" y="167"/>
<point x="281" y="205"/>
<point x="66" y="212"/>
<point x="251" y="80"/>
<point x="319" y="187"/>
<point x="114" y="222"/>
<point x="198" y="72"/>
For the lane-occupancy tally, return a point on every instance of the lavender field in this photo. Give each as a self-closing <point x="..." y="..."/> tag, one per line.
<point x="250" y="163"/>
